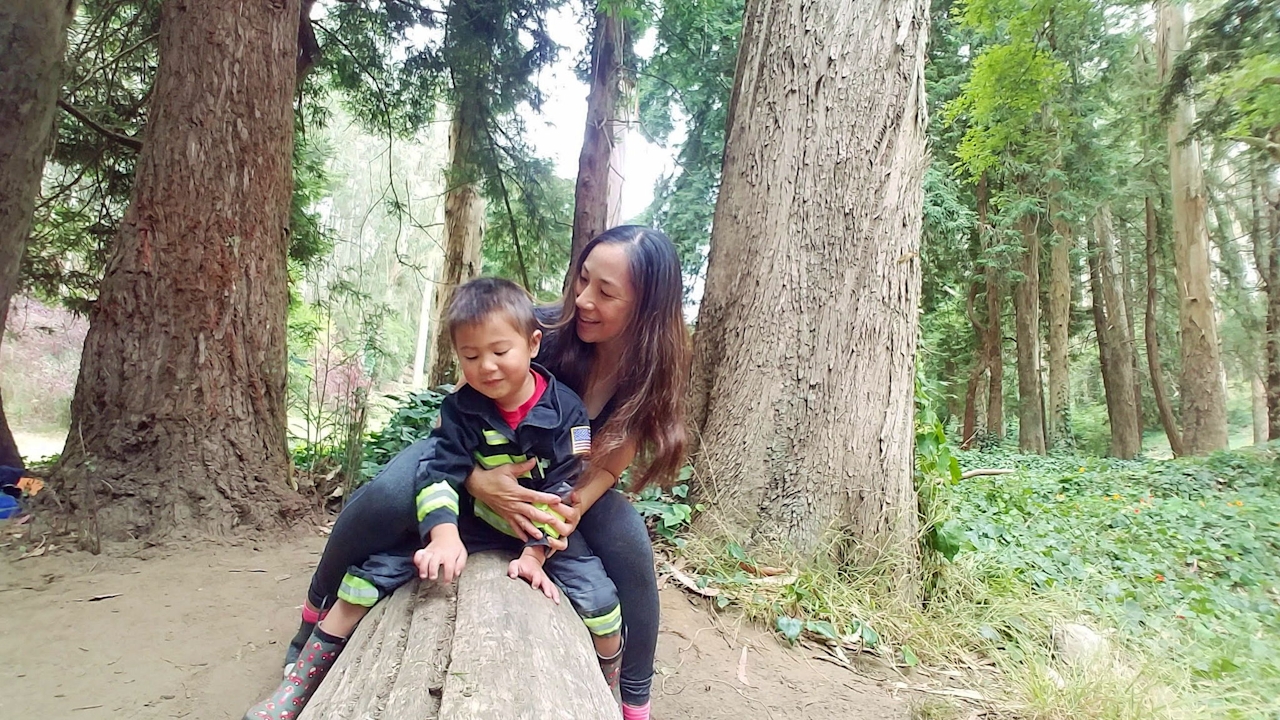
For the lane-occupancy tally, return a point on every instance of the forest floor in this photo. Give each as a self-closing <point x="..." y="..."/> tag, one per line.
<point x="198" y="631"/>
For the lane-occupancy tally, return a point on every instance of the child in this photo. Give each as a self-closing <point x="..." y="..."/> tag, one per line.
<point x="509" y="411"/>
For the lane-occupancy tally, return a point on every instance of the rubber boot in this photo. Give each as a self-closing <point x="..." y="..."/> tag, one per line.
<point x="295" y="645"/>
<point x="307" y="626"/>
<point x="319" y="653"/>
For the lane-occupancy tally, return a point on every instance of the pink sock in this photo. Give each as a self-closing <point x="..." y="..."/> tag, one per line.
<point x="631" y="712"/>
<point x="312" y="616"/>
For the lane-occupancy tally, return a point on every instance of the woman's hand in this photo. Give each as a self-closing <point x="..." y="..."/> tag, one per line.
<point x="501" y="491"/>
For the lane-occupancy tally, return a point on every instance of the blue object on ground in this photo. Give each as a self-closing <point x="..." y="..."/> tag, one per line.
<point x="8" y="507"/>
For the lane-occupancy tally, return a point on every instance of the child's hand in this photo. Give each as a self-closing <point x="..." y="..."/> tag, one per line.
<point x="529" y="567"/>
<point x="444" y="557"/>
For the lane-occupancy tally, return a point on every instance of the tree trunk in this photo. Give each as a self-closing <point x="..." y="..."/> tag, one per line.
<point x="1026" y="307"/>
<point x="995" y="330"/>
<point x="1150" y="328"/>
<point x="1059" y="321"/>
<point x="1273" y="305"/>
<point x="1131" y="313"/>
<point x="806" y="342"/>
<point x="1203" y="382"/>
<point x="463" y="231"/>
<point x="1114" y="350"/>
<point x="969" y="425"/>
<point x="624" y="113"/>
<point x="496" y="648"/>
<point x="33" y="40"/>
<point x="1258" y="396"/>
<point x="591" y="197"/>
<point x="424" y="336"/>
<point x="178" y="418"/>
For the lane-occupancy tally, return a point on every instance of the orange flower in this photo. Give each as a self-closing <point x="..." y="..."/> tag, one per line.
<point x="1159" y="577"/>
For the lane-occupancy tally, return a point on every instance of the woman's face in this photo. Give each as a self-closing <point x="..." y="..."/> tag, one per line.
<point x="604" y="294"/>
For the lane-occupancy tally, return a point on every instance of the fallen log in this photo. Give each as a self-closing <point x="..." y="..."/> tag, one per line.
<point x="494" y="649"/>
<point x="982" y="472"/>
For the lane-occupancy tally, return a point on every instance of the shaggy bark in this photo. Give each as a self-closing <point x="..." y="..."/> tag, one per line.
<point x="1203" y="381"/>
<point x="1026" y="307"/>
<point x="806" y="342"/>
<point x="1114" y="349"/>
<point x="1158" y="391"/>
<point x="463" y="232"/>
<point x="178" y="419"/>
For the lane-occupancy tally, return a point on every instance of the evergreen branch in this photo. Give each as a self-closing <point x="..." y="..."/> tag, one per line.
<point x="1259" y="143"/>
<point x="506" y="200"/>
<point x="129" y="142"/>
<point x="109" y="63"/>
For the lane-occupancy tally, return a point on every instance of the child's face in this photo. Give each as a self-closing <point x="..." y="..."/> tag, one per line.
<point x="495" y="357"/>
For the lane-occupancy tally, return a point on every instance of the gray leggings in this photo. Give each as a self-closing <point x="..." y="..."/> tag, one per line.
<point x="379" y="519"/>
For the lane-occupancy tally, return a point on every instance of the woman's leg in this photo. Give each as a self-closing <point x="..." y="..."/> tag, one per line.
<point x="380" y="516"/>
<point x="618" y="536"/>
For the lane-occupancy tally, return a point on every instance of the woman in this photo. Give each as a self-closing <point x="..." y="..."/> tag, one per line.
<point x="619" y="341"/>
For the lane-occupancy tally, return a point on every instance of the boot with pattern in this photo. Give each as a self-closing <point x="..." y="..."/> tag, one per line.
<point x="286" y="703"/>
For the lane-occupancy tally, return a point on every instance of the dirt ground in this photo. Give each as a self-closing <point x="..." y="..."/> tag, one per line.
<point x="199" y="631"/>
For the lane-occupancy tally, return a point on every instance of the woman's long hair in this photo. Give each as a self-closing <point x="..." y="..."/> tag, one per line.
<point x="649" y="403"/>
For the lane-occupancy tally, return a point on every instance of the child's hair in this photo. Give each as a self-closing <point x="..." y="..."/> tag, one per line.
<point x="474" y="301"/>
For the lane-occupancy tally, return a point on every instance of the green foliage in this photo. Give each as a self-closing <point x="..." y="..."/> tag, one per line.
<point x="1091" y="428"/>
<point x="413" y="419"/>
<point x="112" y="61"/>
<point x="527" y="237"/>
<point x="688" y="82"/>
<point x="1233" y="62"/>
<point x="1003" y="101"/>
<point x="668" y="511"/>
<point x="1180" y="555"/>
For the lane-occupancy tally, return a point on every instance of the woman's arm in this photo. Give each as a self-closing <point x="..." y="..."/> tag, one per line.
<point x="602" y="476"/>
<point x="500" y="489"/>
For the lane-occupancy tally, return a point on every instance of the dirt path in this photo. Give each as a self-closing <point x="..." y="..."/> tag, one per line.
<point x="198" y="632"/>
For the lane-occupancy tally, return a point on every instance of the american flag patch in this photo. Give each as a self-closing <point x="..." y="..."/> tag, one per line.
<point x="581" y="436"/>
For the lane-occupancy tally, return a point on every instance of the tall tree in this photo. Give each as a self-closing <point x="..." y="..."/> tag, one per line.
<point x="808" y="326"/>
<point x="463" y="221"/>
<point x="33" y="37"/>
<point x="1026" y="307"/>
<point x="492" y="50"/>
<point x="1059" y="317"/>
<point x="1203" y="381"/>
<point x="1115" y="347"/>
<point x="597" y="174"/>
<point x="178" y="418"/>
<point x="1152" y="336"/>
<point x="995" y="331"/>
<point x="1234" y="61"/>
<point x="1267" y="251"/>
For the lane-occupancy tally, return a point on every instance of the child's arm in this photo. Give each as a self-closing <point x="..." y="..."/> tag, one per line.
<point x="444" y="557"/>
<point x="442" y="472"/>
<point x="529" y="567"/>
